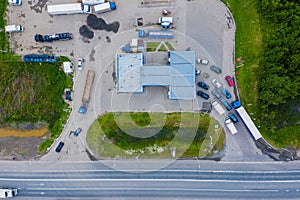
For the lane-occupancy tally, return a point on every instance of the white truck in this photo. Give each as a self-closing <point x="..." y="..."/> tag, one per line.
<point x="92" y="2"/>
<point x="15" y="2"/>
<point x="13" y="28"/>
<point x="217" y="107"/>
<point x="8" y="192"/>
<point x="64" y="9"/>
<point x="166" y="22"/>
<point x="230" y="126"/>
<point x="105" y="7"/>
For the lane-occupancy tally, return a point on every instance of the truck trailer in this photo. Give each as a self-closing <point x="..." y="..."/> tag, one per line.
<point x="92" y="2"/>
<point x="230" y="126"/>
<point x="64" y="9"/>
<point x="87" y="91"/>
<point x="218" y="107"/>
<point x="105" y="7"/>
<point x="8" y="192"/>
<point x="13" y="28"/>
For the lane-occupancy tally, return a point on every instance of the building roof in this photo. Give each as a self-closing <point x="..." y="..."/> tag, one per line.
<point x="132" y="75"/>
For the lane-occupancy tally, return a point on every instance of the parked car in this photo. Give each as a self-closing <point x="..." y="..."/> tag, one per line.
<point x="197" y="71"/>
<point x="215" y="69"/>
<point x="229" y="80"/>
<point x="202" y="94"/>
<point x="226" y="93"/>
<point x="59" y="147"/>
<point x="68" y="95"/>
<point x="216" y="83"/>
<point x="233" y="118"/>
<point x="216" y="93"/>
<point x="77" y="131"/>
<point x="226" y="104"/>
<point x="202" y="61"/>
<point x="203" y="85"/>
<point x="79" y="64"/>
<point x="205" y="75"/>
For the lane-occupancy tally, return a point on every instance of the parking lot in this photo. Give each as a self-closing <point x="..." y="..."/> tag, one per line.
<point x="201" y="26"/>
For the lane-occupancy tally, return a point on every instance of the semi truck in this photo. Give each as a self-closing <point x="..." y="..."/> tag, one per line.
<point x="64" y="9"/>
<point x="87" y="91"/>
<point x="230" y="126"/>
<point x="105" y="7"/>
<point x="218" y="107"/>
<point x="54" y="37"/>
<point x="8" y="192"/>
<point x="92" y="2"/>
<point x="13" y="28"/>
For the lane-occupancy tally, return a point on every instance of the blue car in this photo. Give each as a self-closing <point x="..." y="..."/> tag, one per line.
<point x="59" y="147"/>
<point x="202" y="94"/>
<point x="233" y="118"/>
<point x="203" y="85"/>
<point x="226" y="104"/>
<point x="77" y="131"/>
<point x="226" y="93"/>
<point x="216" y="93"/>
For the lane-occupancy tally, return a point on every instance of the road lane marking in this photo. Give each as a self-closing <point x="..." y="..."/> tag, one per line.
<point x="159" y="189"/>
<point x="153" y="180"/>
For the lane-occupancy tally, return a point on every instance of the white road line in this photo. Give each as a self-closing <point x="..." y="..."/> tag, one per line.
<point x="152" y="180"/>
<point x="157" y="189"/>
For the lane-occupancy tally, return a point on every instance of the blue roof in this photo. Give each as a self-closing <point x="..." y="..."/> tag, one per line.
<point x="132" y="75"/>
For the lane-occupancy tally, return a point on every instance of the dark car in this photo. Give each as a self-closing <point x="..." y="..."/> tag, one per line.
<point x="216" y="93"/>
<point x="38" y="38"/>
<point x="77" y="131"/>
<point x="226" y="104"/>
<point x="68" y="95"/>
<point x="233" y="118"/>
<point x="215" y="69"/>
<point x="59" y="147"/>
<point x="202" y="94"/>
<point x="203" y="85"/>
<point x="229" y="80"/>
<point x="226" y="93"/>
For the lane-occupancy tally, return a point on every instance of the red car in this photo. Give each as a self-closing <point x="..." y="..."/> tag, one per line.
<point x="229" y="80"/>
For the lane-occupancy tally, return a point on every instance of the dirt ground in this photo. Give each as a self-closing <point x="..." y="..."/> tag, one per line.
<point x="17" y="148"/>
<point x="16" y="144"/>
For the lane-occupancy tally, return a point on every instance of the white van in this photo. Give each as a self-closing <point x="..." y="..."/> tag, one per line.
<point x="13" y="28"/>
<point x="15" y="2"/>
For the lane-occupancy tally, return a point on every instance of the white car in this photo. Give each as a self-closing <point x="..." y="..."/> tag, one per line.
<point x="203" y="61"/>
<point x="79" y="64"/>
<point x="216" y="83"/>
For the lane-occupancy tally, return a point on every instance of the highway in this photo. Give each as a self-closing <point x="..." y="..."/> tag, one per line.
<point x="182" y="179"/>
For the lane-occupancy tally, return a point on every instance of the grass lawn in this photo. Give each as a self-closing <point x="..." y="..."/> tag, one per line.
<point x="163" y="48"/>
<point x="170" y="46"/>
<point x="248" y="48"/>
<point x="152" y="135"/>
<point x="151" y="46"/>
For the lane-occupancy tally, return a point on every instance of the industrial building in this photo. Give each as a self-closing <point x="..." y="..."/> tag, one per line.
<point x="132" y="75"/>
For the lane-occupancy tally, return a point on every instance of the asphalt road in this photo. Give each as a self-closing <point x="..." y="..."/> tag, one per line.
<point x="179" y="180"/>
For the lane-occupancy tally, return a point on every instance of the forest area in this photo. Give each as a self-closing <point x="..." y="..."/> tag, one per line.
<point x="279" y="72"/>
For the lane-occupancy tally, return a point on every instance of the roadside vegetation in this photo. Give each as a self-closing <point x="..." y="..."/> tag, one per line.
<point x="154" y="135"/>
<point x="268" y="73"/>
<point x="31" y="92"/>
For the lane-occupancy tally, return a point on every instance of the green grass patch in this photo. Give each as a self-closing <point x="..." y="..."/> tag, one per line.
<point x="45" y="144"/>
<point x="151" y="46"/>
<point x="170" y="46"/>
<point x="122" y="134"/>
<point x="162" y="48"/>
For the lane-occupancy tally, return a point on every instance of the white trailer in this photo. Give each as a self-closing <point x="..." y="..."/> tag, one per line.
<point x="13" y="28"/>
<point x="218" y="107"/>
<point x="92" y="2"/>
<point x="230" y="126"/>
<point x="8" y="192"/>
<point x="63" y="9"/>
<point x="105" y="7"/>
<point x="15" y="2"/>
